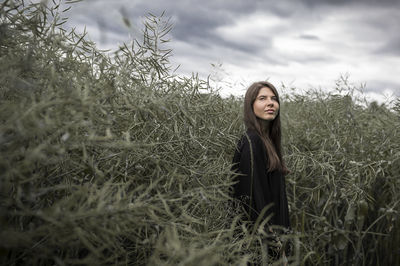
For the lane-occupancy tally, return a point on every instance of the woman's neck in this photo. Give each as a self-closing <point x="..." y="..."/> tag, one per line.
<point x="265" y="124"/>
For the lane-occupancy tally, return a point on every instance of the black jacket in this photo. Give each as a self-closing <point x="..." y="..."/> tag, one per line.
<point x="257" y="188"/>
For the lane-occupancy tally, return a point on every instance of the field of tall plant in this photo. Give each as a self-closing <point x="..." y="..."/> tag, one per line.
<point x="113" y="159"/>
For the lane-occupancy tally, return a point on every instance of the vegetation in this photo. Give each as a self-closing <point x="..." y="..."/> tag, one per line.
<point x="345" y="162"/>
<point x="112" y="159"/>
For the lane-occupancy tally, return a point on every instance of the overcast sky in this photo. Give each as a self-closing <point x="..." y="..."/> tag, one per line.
<point x="303" y="44"/>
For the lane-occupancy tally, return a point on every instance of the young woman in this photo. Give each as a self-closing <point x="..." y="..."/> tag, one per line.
<point x="258" y="157"/>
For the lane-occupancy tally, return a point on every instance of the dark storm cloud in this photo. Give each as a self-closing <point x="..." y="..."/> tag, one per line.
<point x="319" y="3"/>
<point x="309" y="37"/>
<point x="285" y="39"/>
<point x="195" y="25"/>
<point x="194" y="22"/>
<point x="391" y="47"/>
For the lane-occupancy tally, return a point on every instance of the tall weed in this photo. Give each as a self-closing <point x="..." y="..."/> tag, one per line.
<point x="111" y="159"/>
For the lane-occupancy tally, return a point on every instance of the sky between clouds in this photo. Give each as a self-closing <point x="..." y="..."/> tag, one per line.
<point x="303" y="44"/>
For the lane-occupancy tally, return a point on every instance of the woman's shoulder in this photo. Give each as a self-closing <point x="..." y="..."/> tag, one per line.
<point x="250" y="137"/>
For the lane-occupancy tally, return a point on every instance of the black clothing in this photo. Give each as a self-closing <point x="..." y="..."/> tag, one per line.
<point x="256" y="187"/>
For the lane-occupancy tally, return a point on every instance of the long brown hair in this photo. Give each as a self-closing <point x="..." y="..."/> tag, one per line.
<point x="270" y="134"/>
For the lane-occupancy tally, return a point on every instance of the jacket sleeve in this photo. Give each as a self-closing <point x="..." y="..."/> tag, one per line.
<point x="252" y="168"/>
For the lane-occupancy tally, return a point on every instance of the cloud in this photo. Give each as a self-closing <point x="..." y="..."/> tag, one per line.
<point x="307" y="43"/>
<point x="390" y="47"/>
<point x="309" y="37"/>
<point x="382" y="86"/>
<point x="333" y="3"/>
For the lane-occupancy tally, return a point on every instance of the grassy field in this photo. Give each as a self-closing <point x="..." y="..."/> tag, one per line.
<point x="111" y="159"/>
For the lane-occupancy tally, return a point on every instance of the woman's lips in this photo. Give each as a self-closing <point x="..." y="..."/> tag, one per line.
<point x="270" y="111"/>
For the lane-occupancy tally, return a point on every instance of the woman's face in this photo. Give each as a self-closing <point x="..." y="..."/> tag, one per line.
<point x="266" y="105"/>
